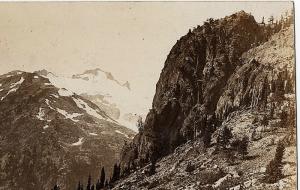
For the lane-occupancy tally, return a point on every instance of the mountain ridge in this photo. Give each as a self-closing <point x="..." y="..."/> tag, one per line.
<point x="51" y="135"/>
<point x="118" y="100"/>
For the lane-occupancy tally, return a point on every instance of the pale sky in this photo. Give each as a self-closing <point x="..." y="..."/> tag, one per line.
<point x="129" y="39"/>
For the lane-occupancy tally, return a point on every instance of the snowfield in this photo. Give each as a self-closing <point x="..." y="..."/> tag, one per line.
<point x="117" y="131"/>
<point x="83" y="105"/>
<point x="93" y="134"/>
<point x="46" y="126"/>
<point x="14" y="87"/>
<point x="127" y="101"/>
<point x="65" y="92"/>
<point x="41" y="114"/>
<point x="69" y="116"/>
<point x="78" y="143"/>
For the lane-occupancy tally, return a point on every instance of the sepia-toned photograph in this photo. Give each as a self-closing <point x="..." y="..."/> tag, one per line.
<point x="148" y="95"/>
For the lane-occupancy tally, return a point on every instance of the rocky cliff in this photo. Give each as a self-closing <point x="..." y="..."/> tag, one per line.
<point x="229" y="73"/>
<point x="212" y="74"/>
<point x="192" y="81"/>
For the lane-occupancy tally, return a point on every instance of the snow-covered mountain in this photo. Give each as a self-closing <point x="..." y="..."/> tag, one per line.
<point x="51" y="135"/>
<point x="117" y="99"/>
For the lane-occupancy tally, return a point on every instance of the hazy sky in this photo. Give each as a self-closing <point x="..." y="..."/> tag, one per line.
<point x="130" y="39"/>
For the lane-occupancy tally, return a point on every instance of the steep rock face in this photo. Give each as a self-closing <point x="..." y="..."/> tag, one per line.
<point x="266" y="76"/>
<point x="191" y="82"/>
<point x="257" y="102"/>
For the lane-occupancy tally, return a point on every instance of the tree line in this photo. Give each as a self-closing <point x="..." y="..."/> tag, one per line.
<point x="102" y="181"/>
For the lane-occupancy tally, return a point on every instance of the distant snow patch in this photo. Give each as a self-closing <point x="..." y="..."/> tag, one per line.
<point x="64" y="92"/>
<point x="93" y="134"/>
<point x="78" y="143"/>
<point x="17" y="83"/>
<point x="0" y="84"/>
<point x="48" y="103"/>
<point x="12" y="90"/>
<point x="46" y="126"/>
<point x="13" y="87"/>
<point x="55" y="95"/>
<point x="36" y="77"/>
<point x="41" y="114"/>
<point x="67" y="115"/>
<point x="117" y="131"/>
<point x="83" y="105"/>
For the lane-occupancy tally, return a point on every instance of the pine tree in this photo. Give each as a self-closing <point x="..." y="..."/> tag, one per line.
<point x="271" y="113"/>
<point x="265" y="121"/>
<point x="125" y="171"/>
<point x="56" y="187"/>
<point x="263" y="20"/>
<point x="271" y="19"/>
<point x="98" y="185"/>
<point x="279" y="88"/>
<point x="207" y="137"/>
<point x="133" y="166"/>
<point x="152" y="167"/>
<point x="140" y="124"/>
<point x="93" y="187"/>
<point x="116" y="173"/>
<point x="279" y="152"/>
<point x="88" y="186"/>
<point x="243" y="147"/>
<point x="79" y="186"/>
<point x="102" y="178"/>
<point x="265" y="93"/>
<point x="274" y="168"/>
<point x="224" y="138"/>
<point x="283" y="118"/>
<point x="291" y="125"/>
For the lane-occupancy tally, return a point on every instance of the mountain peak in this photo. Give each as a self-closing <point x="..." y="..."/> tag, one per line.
<point x="44" y="72"/>
<point x="127" y="85"/>
<point x="54" y="123"/>
<point x="99" y="74"/>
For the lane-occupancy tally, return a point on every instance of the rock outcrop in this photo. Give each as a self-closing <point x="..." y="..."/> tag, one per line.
<point x="191" y="82"/>
<point x="208" y="74"/>
<point x="212" y="81"/>
<point x="267" y="74"/>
